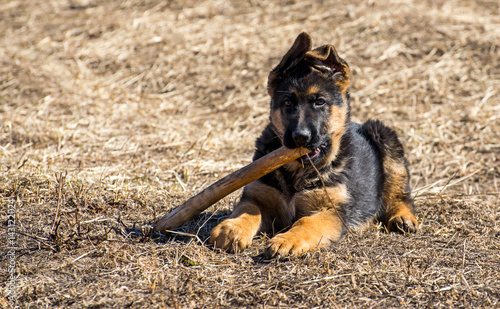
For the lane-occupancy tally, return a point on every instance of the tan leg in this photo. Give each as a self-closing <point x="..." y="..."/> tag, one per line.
<point x="307" y="234"/>
<point x="236" y="233"/>
<point x="401" y="218"/>
<point x="398" y="215"/>
<point x="260" y="207"/>
<point x="319" y="223"/>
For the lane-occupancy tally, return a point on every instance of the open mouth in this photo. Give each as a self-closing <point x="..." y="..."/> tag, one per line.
<point x="313" y="154"/>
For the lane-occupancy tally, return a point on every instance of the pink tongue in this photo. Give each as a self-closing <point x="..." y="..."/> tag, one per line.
<point x="313" y="153"/>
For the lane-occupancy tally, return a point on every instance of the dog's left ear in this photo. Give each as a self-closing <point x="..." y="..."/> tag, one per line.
<point x="294" y="55"/>
<point x="326" y="60"/>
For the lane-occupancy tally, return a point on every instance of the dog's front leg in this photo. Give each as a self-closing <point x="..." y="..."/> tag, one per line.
<point x="307" y="234"/>
<point x="319" y="222"/>
<point x="260" y="208"/>
<point x="236" y="233"/>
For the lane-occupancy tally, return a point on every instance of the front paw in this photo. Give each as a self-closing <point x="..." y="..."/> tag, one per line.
<point x="288" y="244"/>
<point x="403" y="223"/>
<point x="231" y="236"/>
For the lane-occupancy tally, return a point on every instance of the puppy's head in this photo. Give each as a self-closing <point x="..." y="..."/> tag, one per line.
<point x="309" y="99"/>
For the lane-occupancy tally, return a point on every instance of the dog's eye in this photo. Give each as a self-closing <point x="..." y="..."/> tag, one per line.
<point x="320" y="102"/>
<point x="287" y="102"/>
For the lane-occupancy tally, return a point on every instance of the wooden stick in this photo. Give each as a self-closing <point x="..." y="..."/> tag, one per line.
<point x="226" y="185"/>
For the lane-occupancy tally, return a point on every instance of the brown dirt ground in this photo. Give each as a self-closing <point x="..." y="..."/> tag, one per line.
<point x="114" y="112"/>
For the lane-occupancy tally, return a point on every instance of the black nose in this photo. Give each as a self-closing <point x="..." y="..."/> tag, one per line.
<point x="301" y="137"/>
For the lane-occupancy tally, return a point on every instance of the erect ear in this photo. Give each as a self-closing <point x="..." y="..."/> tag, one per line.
<point x="326" y="60"/>
<point x="296" y="53"/>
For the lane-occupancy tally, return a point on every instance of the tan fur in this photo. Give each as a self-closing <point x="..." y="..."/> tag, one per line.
<point x="307" y="234"/>
<point x="277" y="122"/>
<point x="237" y="232"/>
<point x="343" y="77"/>
<point x="313" y="89"/>
<point x="294" y="166"/>
<point x="319" y="222"/>
<point x="343" y="83"/>
<point x="336" y="128"/>
<point x="317" y="199"/>
<point x="402" y="216"/>
<point x="397" y="211"/>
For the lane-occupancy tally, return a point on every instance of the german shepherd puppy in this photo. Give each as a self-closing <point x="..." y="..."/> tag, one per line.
<point x="353" y="173"/>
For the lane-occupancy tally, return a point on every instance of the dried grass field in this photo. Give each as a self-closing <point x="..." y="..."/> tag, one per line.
<point x="114" y="112"/>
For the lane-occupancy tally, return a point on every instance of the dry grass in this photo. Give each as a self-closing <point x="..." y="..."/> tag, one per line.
<point x="114" y="112"/>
